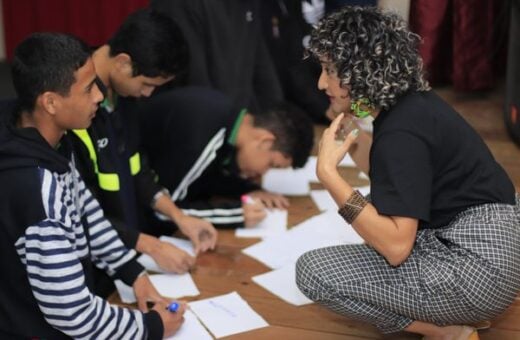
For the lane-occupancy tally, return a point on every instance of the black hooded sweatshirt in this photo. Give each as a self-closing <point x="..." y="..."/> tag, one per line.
<point x="46" y="254"/>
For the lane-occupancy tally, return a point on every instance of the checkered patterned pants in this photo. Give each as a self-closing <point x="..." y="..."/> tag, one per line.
<point x="462" y="273"/>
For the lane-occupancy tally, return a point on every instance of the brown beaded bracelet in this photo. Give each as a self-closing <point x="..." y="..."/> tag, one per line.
<point x="352" y="207"/>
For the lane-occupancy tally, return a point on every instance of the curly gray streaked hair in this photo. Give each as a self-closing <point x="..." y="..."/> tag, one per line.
<point x="374" y="54"/>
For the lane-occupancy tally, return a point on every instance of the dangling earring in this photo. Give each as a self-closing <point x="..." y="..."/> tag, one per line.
<point x="361" y="108"/>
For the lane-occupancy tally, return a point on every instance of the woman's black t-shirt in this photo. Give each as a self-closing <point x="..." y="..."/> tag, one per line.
<point x="426" y="162"/>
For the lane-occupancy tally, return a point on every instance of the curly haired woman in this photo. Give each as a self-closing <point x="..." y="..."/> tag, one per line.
<point x="442" y="229"/>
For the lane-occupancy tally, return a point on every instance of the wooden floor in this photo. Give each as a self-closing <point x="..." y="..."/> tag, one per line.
<point x="227" y="269"/>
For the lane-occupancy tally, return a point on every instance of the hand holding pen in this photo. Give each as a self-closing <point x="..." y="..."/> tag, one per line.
<point x="254" y="211"/>
<point x="173" y="307"/>
<point x="172" y="315"/>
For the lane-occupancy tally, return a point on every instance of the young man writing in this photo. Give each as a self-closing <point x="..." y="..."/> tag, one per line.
<point x="147" y="51"/>
<point x="202" y="146"/>
<point x="52" y="229"/>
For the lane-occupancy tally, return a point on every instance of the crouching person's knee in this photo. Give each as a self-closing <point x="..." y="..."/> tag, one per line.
<point x="306" y="275"/>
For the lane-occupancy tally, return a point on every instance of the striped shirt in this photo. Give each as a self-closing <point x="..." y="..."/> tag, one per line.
<point x="52" y="251"/>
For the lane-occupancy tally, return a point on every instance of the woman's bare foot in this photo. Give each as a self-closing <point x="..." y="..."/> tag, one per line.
<point x="454" y="333"/>
<point x="481" y="325"/>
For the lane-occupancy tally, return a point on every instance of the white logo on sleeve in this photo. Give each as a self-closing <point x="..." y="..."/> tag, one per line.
<point x="249" y="16"/>
<point x="102" y="143"/>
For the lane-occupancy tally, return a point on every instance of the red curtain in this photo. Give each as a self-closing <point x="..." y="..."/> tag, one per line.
<point x="463" y="40"/>
<point x="94" y="21"/>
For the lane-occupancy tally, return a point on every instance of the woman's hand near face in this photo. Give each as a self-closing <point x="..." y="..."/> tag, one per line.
<point x="331" y="151"/>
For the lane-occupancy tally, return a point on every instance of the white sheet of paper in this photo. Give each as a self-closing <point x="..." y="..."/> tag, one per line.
<point x="325" y="202"/>
<point x="286" y="182"/>
<point x="295" y="182"/>
<point x="126" y="293"/>
<point x="191" y="329"/>
<point x="169" y="285"/>
<point x="320" y="231"/>
<point x="362" y="175"/>
<point x="347" y="161"/>
<point x="282" y="283"/>
<point x="227" y="314"/>
<point x="149" y="263"/>
<point x="309" y="170"/>
<point x="174" y="285"/>
<point x="274" y="223"/>
<point x="182" y="243"/>
<point x="364" y="190"/>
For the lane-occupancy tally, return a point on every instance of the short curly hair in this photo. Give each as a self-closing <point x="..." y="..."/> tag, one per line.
<point x="374" y="54"/>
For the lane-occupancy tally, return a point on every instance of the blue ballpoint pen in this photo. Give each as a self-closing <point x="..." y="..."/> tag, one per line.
<point x="173" y="307"/>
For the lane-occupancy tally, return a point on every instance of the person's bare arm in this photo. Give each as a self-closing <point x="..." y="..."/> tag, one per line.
<point x="391" y="236"/>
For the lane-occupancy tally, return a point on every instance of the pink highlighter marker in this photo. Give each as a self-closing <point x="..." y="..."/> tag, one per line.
<point x="246" y="199"/>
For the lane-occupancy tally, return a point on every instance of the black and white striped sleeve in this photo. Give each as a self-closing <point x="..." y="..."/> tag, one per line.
<point x="58" y="283"/>
<point x="53" y="250"/>
<point x="106" y="247"/>
<point x="223" y="215"/>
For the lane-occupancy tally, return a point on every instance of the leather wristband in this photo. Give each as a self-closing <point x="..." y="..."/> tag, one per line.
<point x="352" y="207"/>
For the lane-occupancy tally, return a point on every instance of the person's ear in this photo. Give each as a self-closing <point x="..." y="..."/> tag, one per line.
<point x="266" y="139"/>
<point x="49" y="101"/>
<point x="123" y="63"/>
